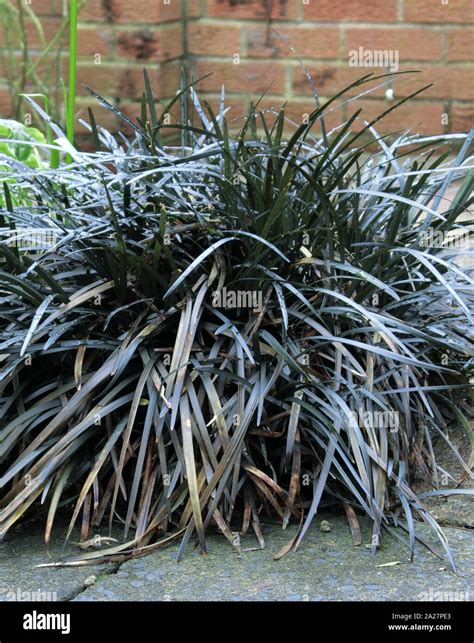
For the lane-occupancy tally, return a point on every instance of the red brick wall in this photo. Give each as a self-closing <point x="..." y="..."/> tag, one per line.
<point x="234" y="39"/>
<point x="116" y="40"/>
<point x="433" y="37"/>
<point x="132" y="34"/>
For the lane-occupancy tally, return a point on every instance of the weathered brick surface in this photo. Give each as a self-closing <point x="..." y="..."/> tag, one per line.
<point x="145" y="11"/>
<point x="460" y="44"/>
<point x="104" y="117"/>
<point x="462" y="117"/>
<point x="447" y="82"/>
<point x="421" y="117"/>
<point x="213" y="40"/>
<point x="49" y="25"/>
<point x="162" y="79"/>
<point x="95" y="40"/>
<point x="328" y="78"/>
<point x="133" y="35"/>
<point x="440" y="82"/>
<point x="99" y="11"/>
<point x="352" y="10"/>
<point x="5" y="101"/>
<point x="131" y="11"/>
<point x="277" y="10"/>
<point x="248" y="77"/>
<point x="133" y="111"/>
<point x="461" y="11"/>
<point x="296" y="112"/>
<point x="412" y="43"/>
<point x="237" y="108"/>
<point x="117" y="38"/>
<point x="193" y="8"/>
<point x="308" y="40"/>
<point x="151" y="44"/>
<point x="425" y="34"/>
<point x="104" y="79"/>
<point x="45" y="7"/>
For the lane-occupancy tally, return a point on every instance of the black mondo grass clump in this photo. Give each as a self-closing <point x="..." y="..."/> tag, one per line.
<point x="207" y="326"/>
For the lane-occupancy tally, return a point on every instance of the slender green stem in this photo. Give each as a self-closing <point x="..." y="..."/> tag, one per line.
<point x="25" y="58"/>
<point x="72" y="70"/>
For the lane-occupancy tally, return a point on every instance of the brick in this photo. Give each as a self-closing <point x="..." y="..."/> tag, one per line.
<point x="133" y="111"/>
<point x="168" y="78"/>
<point x="91" y="41"/>
<point x="45" y="7"/>
<point x="295" y="112"/>
<point x="193" y="8"/>
<point x="149" y="30"/>
<point x="46" y="66"/>
<point x="131" y="83"/>
<point x="460" y="45"/>
<point x="85" y="143"/>
<point x="237" y="108"/>
<point x="351" y="10"/>
<point x="127" y="83"/>
<point x="152" y="11"/>
<point x="448" y="82"/>
<point x="307" y="40"/>
<point x="462" y="117"/>
<point x="139" y="45"/>
<point x="131" y="11"/>
<point x="328" y="79"/>
<point x="214" y="40"/>
<point x="148" y="44"/>
<point x="98" y="11"/>
<point x="422" y="117"/>
<point x="411" y="43"/>
<point x="164" y="81"/>
<point x="461" y="11"/>
<point x="50" y="27"/>
<point x="257" y="76"/>
<point x="253" y="9"/>
<point x="5" y="103"/>
<point x="103" y="117"/>
<point x="104" y="79"/>
<point x="57" y="5"/>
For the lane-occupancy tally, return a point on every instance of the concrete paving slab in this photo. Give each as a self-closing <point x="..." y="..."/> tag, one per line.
<point x="326" y="567"/>
<point x="20" y="580"/>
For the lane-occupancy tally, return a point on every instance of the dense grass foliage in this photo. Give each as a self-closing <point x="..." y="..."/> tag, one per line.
<point x="238" y="325"/>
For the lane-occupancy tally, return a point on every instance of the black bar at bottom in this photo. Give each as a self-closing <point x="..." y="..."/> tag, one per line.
<point x="167" y="622"/>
